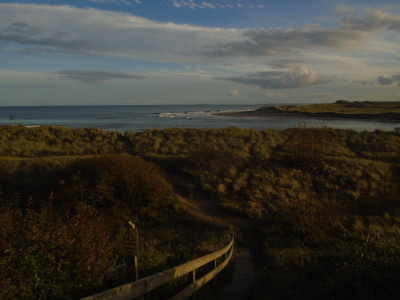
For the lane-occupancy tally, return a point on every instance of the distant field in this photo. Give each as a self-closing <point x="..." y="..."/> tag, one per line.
<point x="345" y="107"/>
<point x="366" y="110"/>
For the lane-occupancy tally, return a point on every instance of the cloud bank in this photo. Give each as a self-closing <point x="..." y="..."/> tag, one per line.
<point x="45" y="40"/>
<point x="382" y="80"/>
<point x="94" y="77"/>
<point x="296" y="78"/>
<point x="65" y="29"/>
<point x="71" y="30"/>
<point x="276" y="41"/>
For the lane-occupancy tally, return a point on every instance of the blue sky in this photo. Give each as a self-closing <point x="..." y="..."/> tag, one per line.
<point x="93" y="52"/>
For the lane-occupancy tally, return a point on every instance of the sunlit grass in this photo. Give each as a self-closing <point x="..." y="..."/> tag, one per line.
<point x="346" y="108"/>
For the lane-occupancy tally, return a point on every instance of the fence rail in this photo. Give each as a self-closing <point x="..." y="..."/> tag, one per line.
<point x="142" y="286"/>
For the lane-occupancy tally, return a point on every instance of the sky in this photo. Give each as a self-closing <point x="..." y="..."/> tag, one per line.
<point x="135" y="52"/>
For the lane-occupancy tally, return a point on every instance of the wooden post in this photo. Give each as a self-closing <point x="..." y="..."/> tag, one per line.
<point x="134" y="263"/>
<point x="193" y="281"/>
<point x="215" y="266"/>
<point x="128" y="239"/>
<point x="131" y="268"/>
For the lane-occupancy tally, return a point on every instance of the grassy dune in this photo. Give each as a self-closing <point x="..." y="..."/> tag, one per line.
<point x="327" y="203"/>
<point x="382" y="111"/>
<point x="346" y="107"/>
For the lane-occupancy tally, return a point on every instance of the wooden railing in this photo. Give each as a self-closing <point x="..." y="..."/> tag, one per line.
<point x="142" y="286"/>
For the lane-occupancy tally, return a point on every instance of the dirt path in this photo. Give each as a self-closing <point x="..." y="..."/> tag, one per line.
<point x="197" y="204"/>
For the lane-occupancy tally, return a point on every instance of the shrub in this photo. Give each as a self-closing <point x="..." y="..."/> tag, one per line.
<point x="49" y="254"/>
<point x="116" y="181"/>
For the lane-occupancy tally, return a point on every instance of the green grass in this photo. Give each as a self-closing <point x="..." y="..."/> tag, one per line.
<point x="55" y="140"/>
<point x="344" y="107"/>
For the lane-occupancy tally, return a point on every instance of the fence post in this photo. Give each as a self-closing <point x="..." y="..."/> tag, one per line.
<point x="193" y="281"/>
<point x="215" y="266"/>
<point x="128" y="246"/>
<point x="128" y="238"/>
<point x="132" y="268"/>
<point x="135" y="258"/>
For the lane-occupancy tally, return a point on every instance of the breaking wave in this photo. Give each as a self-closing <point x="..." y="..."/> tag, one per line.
<point x="185" y="115"/>
<point x="192" y="114"/>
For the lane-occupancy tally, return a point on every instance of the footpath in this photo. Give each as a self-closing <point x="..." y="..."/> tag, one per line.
<point x="194" y="202"/>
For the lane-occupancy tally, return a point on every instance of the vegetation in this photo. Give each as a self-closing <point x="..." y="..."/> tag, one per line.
<point x="346" y="107"/>
<point x="48" y="253"/>
<point x="366" y="110"/>
<point x="327" y="201"/>
<point x="55" y="140"/>
<point x="58" y="238"/>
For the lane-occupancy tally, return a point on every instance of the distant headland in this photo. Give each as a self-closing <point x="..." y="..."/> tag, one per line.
<point x="341" y="109"/>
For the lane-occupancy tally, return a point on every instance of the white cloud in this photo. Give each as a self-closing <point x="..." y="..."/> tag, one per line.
<point x="352" y="31"/>
<point x="66" y="29"/>
<point x="274" y="95"/>
<point x="233" y="93"/>
<point x="193" y="4"/>
<point x="126" y="2"/>
<point x="192" y="74"/>
<point x="363" y="46"/>
<point x="345" y="10"/>
<point x="208" y="5"/>
<point x="323" y="95"/>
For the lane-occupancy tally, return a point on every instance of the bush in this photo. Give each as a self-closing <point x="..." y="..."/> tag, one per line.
<point x="118" y="182"/>
<point x="48" y="253"/>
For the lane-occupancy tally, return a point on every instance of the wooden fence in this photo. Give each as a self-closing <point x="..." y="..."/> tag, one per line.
<point x="142" y="286"/>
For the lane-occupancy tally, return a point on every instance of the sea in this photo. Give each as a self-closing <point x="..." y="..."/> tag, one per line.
<point x="125" y="118"/>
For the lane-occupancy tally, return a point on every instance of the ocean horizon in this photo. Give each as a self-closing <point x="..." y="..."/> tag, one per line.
<point x="126" y="118"/>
